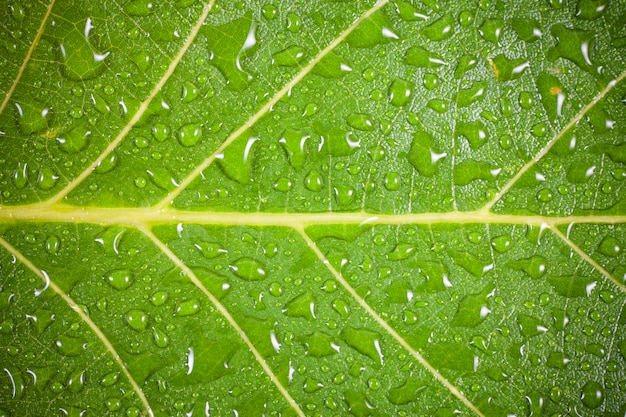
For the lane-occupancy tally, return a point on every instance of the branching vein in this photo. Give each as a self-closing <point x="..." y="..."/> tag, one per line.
<point x="267" y="107"/>
<point x="554" y="140"/>
<point x="140" y="111"/>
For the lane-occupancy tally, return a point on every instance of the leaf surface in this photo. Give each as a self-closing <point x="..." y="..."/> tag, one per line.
<point x="312" y="208"/>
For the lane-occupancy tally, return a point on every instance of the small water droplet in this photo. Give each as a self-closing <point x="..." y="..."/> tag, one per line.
<point x="291" y="56"/>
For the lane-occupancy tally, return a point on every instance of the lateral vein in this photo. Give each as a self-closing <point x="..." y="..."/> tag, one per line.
<point x="381" y="322"/>
<point x="231" y="320"/>
<point x="266" y="108"/>
<point x="85" y="317"/>
<point x="556" y="138"/>
<point x="140" y="111"/>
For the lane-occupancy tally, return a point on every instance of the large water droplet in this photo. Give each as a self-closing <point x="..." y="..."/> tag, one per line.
<point x="468" y="171"/>
<point x="377" y="29"/>
<point x="440" y="29"/>
<point x="120" y="279"/>
<point x="289" y="57"/>
<point x="137" y="320"/>
<point x="364" y="341"/>
<point x="249" y="269"/>
<point x="229" y="44"/>
<point x="592" y="394"/>
<point x="301" y="306"/>
<point x="400" y="92"/>
<point x="189" y="134"/>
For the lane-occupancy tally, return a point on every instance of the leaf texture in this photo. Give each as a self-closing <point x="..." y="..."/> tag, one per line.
<point x="312" y="208"/>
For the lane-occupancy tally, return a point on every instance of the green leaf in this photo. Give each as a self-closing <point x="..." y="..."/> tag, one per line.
<point x="312" y="208"/>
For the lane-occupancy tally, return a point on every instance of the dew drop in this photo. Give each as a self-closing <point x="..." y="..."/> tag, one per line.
<point x="46" y="178"/>
<point x="291" y="56"/>
<point x="400" y="92"/>
<point x="592" y="394"/>
<point x="137" y="320"/>
<point x="440" y="29"/>
<point x="120" y="279"/>
<point x="187" y="308"/>
<point x="248" y="269"/>
<point x="189" y="134"/>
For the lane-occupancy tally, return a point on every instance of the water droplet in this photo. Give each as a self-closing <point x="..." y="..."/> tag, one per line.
<point x="409" y="13"/>
<point x="473" y="308"/>
<point x="438" y="105"/>
<point x="138" y="7"/>
<point x="610" y="246"/>
<point x="422" y="58"/>
<point x="107" y="164"/>
<point x="109" y="379"/>
<point x="440" y="29"/>
<point x="293" y="22"/>
<point x="401" y="251"/>
<point x="474" y="93"/>
<point x="313" y="181"/>
<point x="466" y="18"/>
<point x="229" y="44"/>
<point x="575" y="46"/>
<point x="530" y="326"/>
<point x="360" y="121"/>
<point x="137" y="319"/>
<point x="190" y="92"/>
<point x="311" y="385"/>
<point x="20" y="175"/>
<point x="187" y="308"/>
<point x="501" y="243"/>
<point x="591" y="9"/>
<point x="248" y="269"/>
<point x="78" y="58"/>
<point x="592" y="394"/>
<point x="465" y="63"/>
<point x="527" y="30"/>
<point x="319" y="344"/>
<point x="236" y="159"/>
<point x="392" y="181"/>
<point x="293" y="141"/>
<point x="189" y="134"/>
<point x="508" y="69"/>
<point x="52" y="244"/>
<point x="474" y="132"/>
<point x="32" y="116"/>
<point x="400" y="92"/>
<point x="341" y="307"/>
<point x="161" y="339"/>
<point x="120" y="279"/>
<point x="491" y="30"/>
<point x="375" y="30"/>
<point x="75" y="140"/>
<point x="283" y="185"/>
<point x="70" y="346"/>
<point x="468" y="171"/>
<point x="46" y="178"/>
<point x="162" y="178"/>
<point x="160" y="132"/>
<point x="552" y="94"/>
<point x="344" y="194"/>
<point x="364" y="341"/>
<point x="332" y="66"/>
<point x="289" y="57"/>
<point x="535" y="266"/>
<point x="76" y="381"/>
